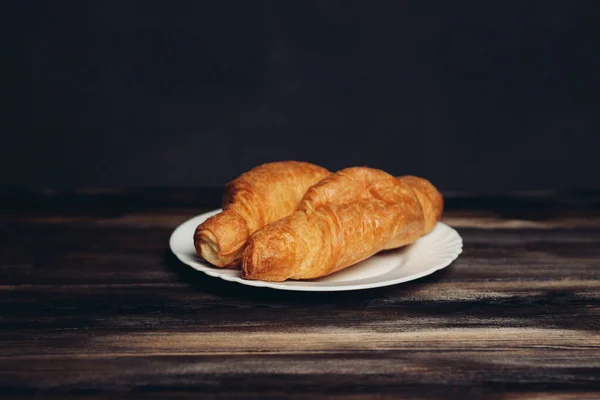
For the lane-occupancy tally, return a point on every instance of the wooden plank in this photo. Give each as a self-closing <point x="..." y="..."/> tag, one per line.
<point x="58" y="254"/>
<point x="179" y="307"/>
<point x="224" y="390"/>
<point x="390" y="335"/>
<point x="388" y="372"/>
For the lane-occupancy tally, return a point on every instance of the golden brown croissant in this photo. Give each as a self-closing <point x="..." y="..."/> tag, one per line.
<point x="256" y="198"/>
<point x="344" y="219"/>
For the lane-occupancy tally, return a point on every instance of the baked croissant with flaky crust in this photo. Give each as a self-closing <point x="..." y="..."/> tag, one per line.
<point x="256" y="198"/>
<point x="344" y="219"/>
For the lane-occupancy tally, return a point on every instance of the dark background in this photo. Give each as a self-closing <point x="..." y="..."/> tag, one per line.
<point x="473" y="95"/>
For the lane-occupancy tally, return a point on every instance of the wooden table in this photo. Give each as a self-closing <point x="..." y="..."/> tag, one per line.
<point x="94" y="305"/>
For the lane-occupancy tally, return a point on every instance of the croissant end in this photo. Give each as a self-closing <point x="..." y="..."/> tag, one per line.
<point x="220" y="239"/>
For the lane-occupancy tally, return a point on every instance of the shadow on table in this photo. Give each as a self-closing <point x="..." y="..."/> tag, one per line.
<point x="218" y="287"/>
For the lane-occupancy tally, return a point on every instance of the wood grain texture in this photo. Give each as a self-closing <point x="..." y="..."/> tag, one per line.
<point x="94" y="305"/>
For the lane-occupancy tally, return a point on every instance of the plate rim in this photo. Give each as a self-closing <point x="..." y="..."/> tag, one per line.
<point x="214" y="273"/>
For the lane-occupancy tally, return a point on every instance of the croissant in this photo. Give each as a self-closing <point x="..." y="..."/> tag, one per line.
<point x="256" y="198"/>
<point x="344" y="219"/>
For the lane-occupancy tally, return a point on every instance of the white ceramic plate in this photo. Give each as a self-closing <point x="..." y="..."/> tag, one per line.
<point x="429" y="254"/>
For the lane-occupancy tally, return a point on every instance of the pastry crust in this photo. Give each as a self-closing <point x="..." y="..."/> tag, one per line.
<point x="344" y="219"/>
<point x="430" y="198"/>
<point x="256" y="198"/>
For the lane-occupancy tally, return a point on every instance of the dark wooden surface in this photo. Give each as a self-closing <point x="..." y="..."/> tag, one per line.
<point x="94" y="305"/>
